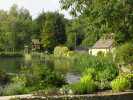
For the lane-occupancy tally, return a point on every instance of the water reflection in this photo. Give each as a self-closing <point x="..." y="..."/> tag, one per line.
<point x="13" y="65"/>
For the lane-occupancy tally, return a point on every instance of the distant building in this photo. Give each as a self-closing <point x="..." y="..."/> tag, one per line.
<point x="104" y="45"/>
<point x="36" y="45"/>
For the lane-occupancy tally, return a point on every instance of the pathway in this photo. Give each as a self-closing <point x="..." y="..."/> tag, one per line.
<point x="16" y="96"/>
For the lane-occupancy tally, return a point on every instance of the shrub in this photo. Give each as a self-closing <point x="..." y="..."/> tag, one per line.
<point x="99" y="64"/>
<point x="120" y="84"/>
<point x="14" y="89"/>
<point x="124" y="53"/>
<point x="60" y="51"/>
<point x="86" y="85"/>
<point x="102" y="69"/>
<point x="90" y="71"/>
<point x="103" y="85"/>
<point x="130" y="78"/>
<point x="89" y="83"/>
<point x="101" y="77"/>
<point x="39" y="77"/>
<point x="4" y="78"/>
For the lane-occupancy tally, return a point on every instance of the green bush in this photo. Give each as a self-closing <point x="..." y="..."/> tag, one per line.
<point x="39" y="77"/>
<point x="102" y="69"/>
<point x="124" y="54"/>
<point x="101" y="77"/>
<point x="34" y="78"/>
<point x="103" y="85"/>
<point x="4" y="78"/>
<point x="60" y="51"/>
<point x="104" y="66"/>
<point x="120" y="84"/>
<point x="14" y="89"/>
<point x="86" y="85"/>
<point x="130" y="78"/>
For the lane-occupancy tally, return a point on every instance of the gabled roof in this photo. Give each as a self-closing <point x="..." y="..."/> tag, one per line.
<point x="103" y="43"/>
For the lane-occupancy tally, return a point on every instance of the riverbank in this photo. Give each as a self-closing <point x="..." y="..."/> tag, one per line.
<point x="11" y="54"/>
<point x="97" y="96"/>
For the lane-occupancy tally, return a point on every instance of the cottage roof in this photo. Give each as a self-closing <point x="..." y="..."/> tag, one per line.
<point x="103" y="43"/>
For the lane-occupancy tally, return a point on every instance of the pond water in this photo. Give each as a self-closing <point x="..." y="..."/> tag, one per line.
<point x="13" y="65"/>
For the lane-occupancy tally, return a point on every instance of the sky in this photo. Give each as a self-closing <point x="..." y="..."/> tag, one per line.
<point x="35" y="7"/>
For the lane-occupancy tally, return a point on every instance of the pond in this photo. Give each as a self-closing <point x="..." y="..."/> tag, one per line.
<point x="13" y="65"/>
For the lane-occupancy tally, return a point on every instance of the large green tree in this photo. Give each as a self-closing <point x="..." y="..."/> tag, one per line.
<point x="104" y="16"/>
<point x="16" y="28"/>
<point x="75" y="33"/>
<point x="53" y="30"/>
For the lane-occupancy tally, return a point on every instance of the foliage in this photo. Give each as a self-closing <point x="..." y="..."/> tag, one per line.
<point x="62" y="65"/>
<point x="53" y="30"/>
<point x="86" y="85"/>
<point x="60" y="51"/>
<point x="103" y="17"/>
<point x="39" y="77"/>
<point x="17" y="27"/>
<point x="75" y="33"/>
<point x="102" y="69"/>
<point x="4" y="78"/>
<point x="124" y="53"/>
<point x="76" y="6"/>
<point x="120" y="84"/>
<point x="93" y="19"/>
<point x="130" y="78"/>
<point x="35" y="78"/>
<point x="14" y="28"/>
<point x="14" y="88"/>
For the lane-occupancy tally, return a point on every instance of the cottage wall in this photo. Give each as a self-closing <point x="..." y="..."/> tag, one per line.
<point x="103" y="50"/>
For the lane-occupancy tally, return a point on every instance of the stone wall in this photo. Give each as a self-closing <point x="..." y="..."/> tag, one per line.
<point x="98" y="96"/>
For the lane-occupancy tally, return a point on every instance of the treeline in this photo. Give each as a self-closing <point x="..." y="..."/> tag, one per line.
<point x="92" y="19"/>
<point x="17" y="29"/>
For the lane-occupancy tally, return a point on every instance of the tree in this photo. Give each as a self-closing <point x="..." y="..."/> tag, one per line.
<point x="75" y="33"/>
<point x="15" y="28"/>
<point x="124" y="53"/>
<point x="39" y="23"/>
<point x="53" y="32"/>
<point x="76" y="6"/>
<point x="104" y="16"/>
